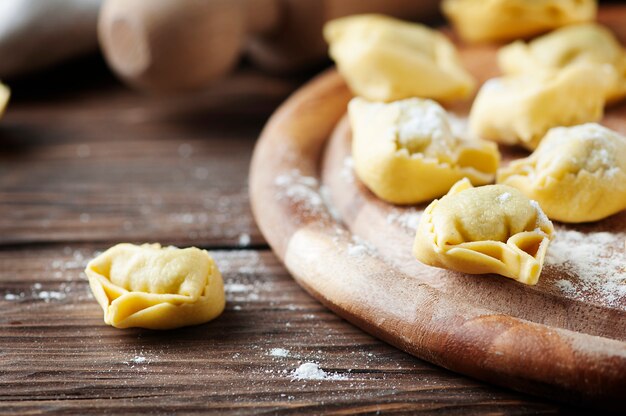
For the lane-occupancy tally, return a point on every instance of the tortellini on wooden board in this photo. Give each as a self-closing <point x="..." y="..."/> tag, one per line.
<point x="500" y="20"/>
<point x="521" y="108"/>
<point x="405" y="151"/>
<point x="152" y="287"/>
<point x="588" y="43"/>
<point x="385" y="59"/>
<point x="577" y="174"/>
<point x="4" y="97"/>
<point x="489" y="229"/>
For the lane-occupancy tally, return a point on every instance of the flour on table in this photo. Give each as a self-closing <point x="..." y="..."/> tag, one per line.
<point x="594" y="264"/>
<point x="312" y="371"/>
<point x="279" y="352"/>
<point x="244" y="240"/>
<point x="37" y="294"/>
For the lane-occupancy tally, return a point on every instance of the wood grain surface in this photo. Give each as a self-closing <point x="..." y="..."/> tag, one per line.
<point x="85" y="164"/>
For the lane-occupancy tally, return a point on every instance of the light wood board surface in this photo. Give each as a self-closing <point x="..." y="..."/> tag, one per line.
<point x="553" y="340"/>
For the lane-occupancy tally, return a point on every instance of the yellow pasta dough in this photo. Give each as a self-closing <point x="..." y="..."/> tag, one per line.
<point x="405" y="151"/>
<point x="4" y="97"/>
<point x="577" y="174"/>
<point x="497" y="20"/>
<point x="588" y="43"/>
<point x="489" y="229"/>
<point x="520" y="109"/>
<point x="384" y="59"/>
<point x="152" y="287"/>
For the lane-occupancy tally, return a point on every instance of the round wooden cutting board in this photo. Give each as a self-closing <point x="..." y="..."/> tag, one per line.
<point x="564" y="338"/>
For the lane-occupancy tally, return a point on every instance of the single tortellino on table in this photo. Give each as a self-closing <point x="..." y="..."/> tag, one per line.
<point x="588" y="43"/>
<point x="405" y="151"/>
<point x="152" y="287"/>
<point x="4" y="97"/>
<point x="520" y="109"/>
<point x="385" y="59"/>
<point x="489" y="229"/>
<point x="577" y="174"/>
<point x="501" y="20"/>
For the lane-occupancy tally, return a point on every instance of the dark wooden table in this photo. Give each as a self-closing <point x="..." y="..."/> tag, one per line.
<point x="85" y="164"/>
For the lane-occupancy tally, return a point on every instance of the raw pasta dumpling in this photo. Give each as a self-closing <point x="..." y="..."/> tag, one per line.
<point x="588" y="43"/>
<point x="489" y="229"/>
<point x="405" y="151"/>
<point x="520" y="109"/>
<point x="497" y="20"/>
<point x="152" y="287"/>
<point x="577" y="174"/>
<point x="4" y="97"/>
<point x="385" y="59"/>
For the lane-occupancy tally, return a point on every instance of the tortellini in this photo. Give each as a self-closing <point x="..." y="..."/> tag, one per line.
<point x="520" y="109"/>
<point x="577" y="174"/>
<point x="405" y="151"/>
<point x="156" y="288"/>
<point x="489" y="229"/>
<point x="585" y="43"/>
<point x="497" y="20"/>
<point x="384" y="59"/>
<point x="4" y="97"/>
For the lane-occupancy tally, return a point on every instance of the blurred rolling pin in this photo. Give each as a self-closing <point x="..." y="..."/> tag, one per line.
<point x="171" y="45"/>
<point x="35" y="34"/>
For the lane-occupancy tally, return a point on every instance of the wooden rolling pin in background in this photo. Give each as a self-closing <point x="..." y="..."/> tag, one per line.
<point x="173" y="45"/>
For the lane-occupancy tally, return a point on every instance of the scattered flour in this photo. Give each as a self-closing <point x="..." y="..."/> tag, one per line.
<point x="311" y="371"/>
<point x="502" y="198"/>
<point x="139" y="359"/>
<point x="347" y="170"/>
<point x="408" y="218"/>
<point x="360" y="247"/>
<point x="38" y="294"/>
<point x="302" y="190"/>
<point x="327" y="198"/>
<point x="244" y="240"/>
<point x="279" y="352"/>
<point x="235" y="288"/>
<point x="46" y="295"/>
<point x="595" y="265"/>
<point x="542" y="218"/>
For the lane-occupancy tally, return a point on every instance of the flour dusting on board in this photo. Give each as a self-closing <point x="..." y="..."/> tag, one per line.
<point x="406" y="218"/>
<point x="302" y="190"/>
<point x="594" y="265"/>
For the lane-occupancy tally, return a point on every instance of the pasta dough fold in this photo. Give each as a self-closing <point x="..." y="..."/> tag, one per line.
<point x="588" y="43"/>
<point x="156" y="288"/>
<point x="520" y="109"/>
<point x="384" y="59"/>
<point x="577" y="174"/>
<point x="490" y="229"/>
<point x="497" y="20"/>
<point x="405" y="151"/>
